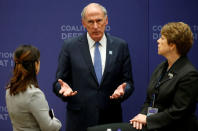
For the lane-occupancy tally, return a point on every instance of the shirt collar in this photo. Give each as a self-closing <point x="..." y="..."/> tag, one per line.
<point x="91" y="42"/>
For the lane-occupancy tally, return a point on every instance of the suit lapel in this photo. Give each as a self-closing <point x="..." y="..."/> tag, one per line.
<point x="84" y="47"/>
<point x="109" y="53"/>
<point x="163" y="75"/>
<point x="157" y="75"/>
<point x="87" y="57"/>
<point x="173" y="70"/>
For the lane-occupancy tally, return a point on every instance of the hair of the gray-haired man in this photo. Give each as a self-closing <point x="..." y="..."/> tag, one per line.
<point x="99" y="5"/>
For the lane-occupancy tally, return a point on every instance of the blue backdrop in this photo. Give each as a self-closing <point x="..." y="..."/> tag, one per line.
<point x="46" y="24"/>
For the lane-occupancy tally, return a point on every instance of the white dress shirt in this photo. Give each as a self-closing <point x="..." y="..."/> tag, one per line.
<point x="102" y="49"/>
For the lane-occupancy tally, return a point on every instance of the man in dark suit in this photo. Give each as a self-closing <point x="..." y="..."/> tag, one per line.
<point x="94" y="73"/>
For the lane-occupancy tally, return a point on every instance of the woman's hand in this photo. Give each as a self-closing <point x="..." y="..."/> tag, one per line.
<point x="138" y="121"/>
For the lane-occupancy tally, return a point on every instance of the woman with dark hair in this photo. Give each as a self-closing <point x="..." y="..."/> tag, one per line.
<point x="170" y="103"/>
<point x="26" y="104"/>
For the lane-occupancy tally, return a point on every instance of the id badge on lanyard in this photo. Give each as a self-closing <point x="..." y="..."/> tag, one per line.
<point x="152" y="110"/>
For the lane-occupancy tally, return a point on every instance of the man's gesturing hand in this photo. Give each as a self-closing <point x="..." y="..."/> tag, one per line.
<point x="66" y="89"/>
<point x="119" y="91"/>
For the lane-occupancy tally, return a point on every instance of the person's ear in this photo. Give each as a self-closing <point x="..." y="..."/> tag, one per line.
<point x="83" y="23"/>
<point x="172" y="46"/>
<point x="37" y="68"/>
<point x="106" y="20"/>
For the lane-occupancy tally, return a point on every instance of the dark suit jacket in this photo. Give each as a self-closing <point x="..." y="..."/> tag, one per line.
<point x="176" y="97"/>
<point x="91" y="105"/>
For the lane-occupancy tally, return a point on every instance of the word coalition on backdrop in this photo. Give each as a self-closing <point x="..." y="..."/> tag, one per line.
<point x="77" y="28"/>
<point x="69" y="31"/>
